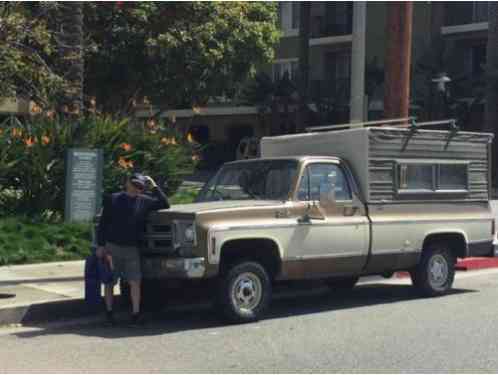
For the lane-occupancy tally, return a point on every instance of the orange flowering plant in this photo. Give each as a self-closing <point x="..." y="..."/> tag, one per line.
<point x="32" y="158"/>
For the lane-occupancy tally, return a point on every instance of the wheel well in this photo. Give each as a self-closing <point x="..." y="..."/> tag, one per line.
<point x="456" y="241"/>
<point x="263" y="251"/>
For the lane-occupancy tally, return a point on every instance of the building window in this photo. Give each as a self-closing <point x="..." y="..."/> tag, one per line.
<point x="448" y="177"/>
<point x="338" y="73"/>
<point x="338" y="18"/>
<point x="480" y="11"/>
<point x="465" y="12"/>
<point x="288" y="17"/>
<point x="281" y="67"/>
<point x="475" y="60"/>
<point x="296" y="15"/>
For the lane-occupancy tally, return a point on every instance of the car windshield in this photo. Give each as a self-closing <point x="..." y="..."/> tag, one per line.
<point x="259" y="179"/>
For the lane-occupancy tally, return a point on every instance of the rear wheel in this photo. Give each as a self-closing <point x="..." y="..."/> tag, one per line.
<point x="244" y="292"/>
<point x="435" y="273"/>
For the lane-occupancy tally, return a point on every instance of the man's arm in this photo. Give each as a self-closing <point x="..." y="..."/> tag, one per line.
<point x="159" y="200"/>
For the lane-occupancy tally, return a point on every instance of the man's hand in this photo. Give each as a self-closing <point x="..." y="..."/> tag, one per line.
<point x="150" y="182"/>
<point x="100" y="251"/>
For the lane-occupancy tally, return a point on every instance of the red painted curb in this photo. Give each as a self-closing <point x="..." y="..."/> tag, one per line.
<point x="466" y="264"/>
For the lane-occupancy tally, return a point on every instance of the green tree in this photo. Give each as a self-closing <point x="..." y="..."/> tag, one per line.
<point x="27" y="53"/>
<point x="174" y="54"/>
<point x="70" y="47"/>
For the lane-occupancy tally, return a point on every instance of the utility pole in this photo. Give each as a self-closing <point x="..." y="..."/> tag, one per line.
<point x="398" y="59"/>
<point x="358" y="62"/>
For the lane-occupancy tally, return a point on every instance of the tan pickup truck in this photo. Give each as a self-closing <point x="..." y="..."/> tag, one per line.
<point x="333" y="205"/>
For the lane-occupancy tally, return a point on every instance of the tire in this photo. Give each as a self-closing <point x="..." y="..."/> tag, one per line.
<point x="244" y="292"/>
<point x="342" y="283"/>
<point x="434" y="274"/>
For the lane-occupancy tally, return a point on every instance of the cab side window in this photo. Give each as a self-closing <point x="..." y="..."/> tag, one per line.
<point x="319" y="178"/>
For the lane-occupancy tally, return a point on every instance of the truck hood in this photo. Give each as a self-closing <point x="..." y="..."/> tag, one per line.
<point x="218" y="206"/>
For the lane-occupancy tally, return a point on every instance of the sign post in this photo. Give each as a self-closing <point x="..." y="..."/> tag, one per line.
<point x="84" y="175"/>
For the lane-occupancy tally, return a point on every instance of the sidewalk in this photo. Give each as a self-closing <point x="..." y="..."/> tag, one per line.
<point x="34" y="291"/>
<point x="52" y="291"/>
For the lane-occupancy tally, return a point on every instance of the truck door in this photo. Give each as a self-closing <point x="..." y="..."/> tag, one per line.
<point x="332" y="233"/>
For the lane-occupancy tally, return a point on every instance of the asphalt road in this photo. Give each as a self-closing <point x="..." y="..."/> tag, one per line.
<point x="376" y="327"/>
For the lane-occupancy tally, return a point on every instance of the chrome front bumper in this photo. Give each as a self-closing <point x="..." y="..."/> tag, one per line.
<point x="173" y="268"/>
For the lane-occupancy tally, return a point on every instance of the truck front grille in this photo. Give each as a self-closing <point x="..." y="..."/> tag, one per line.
<point x="158" y="238"/>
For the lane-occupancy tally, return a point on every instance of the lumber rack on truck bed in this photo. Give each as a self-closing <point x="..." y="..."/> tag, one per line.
<point x="405" y="122"/>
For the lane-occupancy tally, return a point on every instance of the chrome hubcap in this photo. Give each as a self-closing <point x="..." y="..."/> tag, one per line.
<point x="438" y="270"/>
<point x="246" y="292"/>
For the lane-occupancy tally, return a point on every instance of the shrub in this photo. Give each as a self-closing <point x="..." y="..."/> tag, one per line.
<point x="32" y="159"/>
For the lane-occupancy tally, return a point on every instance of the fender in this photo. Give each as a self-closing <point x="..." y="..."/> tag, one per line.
<point x="450" y="231"/>
<point x="217" y="238"/>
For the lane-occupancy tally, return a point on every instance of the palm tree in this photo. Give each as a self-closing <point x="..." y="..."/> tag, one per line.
<point x="70" y="43"/>
<point x="491" y="116"/>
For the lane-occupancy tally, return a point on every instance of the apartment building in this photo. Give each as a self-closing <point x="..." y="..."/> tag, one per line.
<point x="463" y="29"/>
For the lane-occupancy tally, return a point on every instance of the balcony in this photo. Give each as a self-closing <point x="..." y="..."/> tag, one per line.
<point x="465" y="17"/>
<point x="332" y="23"/>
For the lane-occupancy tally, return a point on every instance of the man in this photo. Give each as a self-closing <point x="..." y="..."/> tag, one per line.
<point x="119" y="233"/>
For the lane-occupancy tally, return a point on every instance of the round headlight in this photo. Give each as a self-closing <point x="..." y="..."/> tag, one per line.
<point x="189" y="233"/>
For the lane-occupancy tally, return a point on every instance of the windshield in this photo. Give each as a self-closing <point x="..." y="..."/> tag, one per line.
<point x="262" y="180"/>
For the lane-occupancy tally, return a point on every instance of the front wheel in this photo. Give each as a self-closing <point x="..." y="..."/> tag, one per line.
<point x="435" y="273"/>
<point x="244" y="292"/>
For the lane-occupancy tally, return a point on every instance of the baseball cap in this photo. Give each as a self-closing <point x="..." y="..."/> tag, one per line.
<point x="138" y="180"/>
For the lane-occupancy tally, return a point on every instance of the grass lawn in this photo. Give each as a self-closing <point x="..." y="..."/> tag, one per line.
<point x="23" y="241"/>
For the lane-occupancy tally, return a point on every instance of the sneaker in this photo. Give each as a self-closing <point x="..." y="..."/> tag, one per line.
<point x="137" y="320"/>
<point x="109" y="317"/>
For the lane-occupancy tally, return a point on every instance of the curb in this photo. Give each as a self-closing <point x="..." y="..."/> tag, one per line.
<point x="467" y="264"/>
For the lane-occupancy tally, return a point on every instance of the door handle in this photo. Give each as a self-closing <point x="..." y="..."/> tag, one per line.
<point x="304" y="220"/>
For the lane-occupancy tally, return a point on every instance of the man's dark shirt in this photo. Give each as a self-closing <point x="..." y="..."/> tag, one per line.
<point x="123" y="217"/>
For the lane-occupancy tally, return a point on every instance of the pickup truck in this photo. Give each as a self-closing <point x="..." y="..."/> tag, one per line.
<point x="333" y="205"/>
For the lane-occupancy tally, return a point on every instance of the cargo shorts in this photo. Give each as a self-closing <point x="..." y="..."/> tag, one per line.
<point x="125" y="262"/>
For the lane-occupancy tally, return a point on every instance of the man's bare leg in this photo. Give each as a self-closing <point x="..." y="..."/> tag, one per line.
<point x="109" y="299"/>
<point x="135" y="296"/>
<point x="109" y="296"/>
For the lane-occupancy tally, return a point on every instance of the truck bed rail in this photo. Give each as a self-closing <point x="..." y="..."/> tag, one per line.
<point x="404" y="122"/>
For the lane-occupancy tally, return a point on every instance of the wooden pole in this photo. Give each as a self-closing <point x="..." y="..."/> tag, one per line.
<point x="398" y="59"/>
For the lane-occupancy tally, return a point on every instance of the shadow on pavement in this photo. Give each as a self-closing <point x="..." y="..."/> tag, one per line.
<point x="162" y="322"/>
